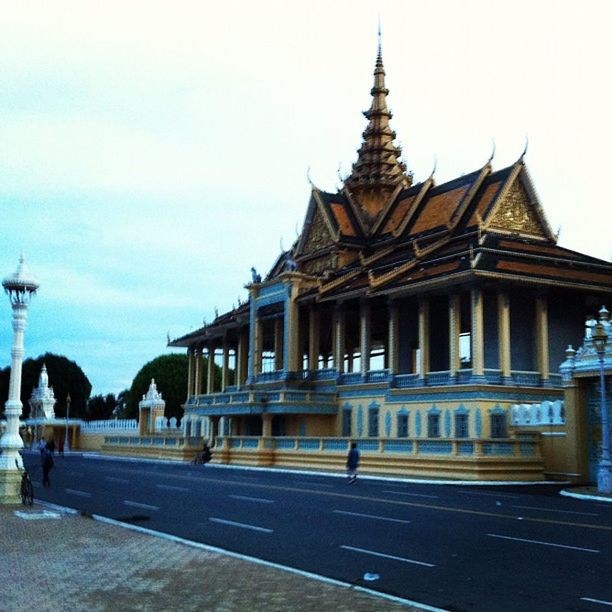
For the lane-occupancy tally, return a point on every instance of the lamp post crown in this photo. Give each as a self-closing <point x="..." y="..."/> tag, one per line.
<point x="20" y="285"/>
<point x="600" y="338"/>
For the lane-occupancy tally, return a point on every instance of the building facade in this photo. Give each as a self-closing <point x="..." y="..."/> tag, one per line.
<point x="413" y="318"/>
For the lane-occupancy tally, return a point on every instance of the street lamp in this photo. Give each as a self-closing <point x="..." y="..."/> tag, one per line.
<point x="66" y="446"/>
<point x="20" y="287"/>
<point x="604" y="471"/>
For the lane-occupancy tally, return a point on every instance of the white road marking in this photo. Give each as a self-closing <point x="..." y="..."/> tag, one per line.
<point x="372" y="516"/>
<point x="79" y="493"/>
<point x="315" y="484"/>
<point x="562" y="511"/>
<point x="261" y="500"/>
<point x="599" y="601"/>
<point x="171" y="487"/>
<point x="378" y="554"/>
<point x="242" y="525"/>
<point x="115" y="479"/>
<point x="127" y="502"/>
<point x="33" y="516"/>
<point x="412" y="494"/>
<point x="494" y="535"/>
<point x="489" y="494"/>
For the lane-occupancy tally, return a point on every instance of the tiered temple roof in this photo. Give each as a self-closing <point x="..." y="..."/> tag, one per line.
<point x="382" y="235"/>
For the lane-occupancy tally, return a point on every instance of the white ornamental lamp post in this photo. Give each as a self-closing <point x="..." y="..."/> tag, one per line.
<point x="20" y="287"/>
<point x="604" y="470"/>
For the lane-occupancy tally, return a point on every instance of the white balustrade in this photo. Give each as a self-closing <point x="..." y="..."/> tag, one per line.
<point x="94" y="427"/>
<point x="545" y="413"/>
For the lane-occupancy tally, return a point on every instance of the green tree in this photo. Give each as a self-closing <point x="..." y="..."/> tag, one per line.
<point x="121" y="407"/>
<point x="65" y="376"/>
<point x="170" y="374"/>
<point x="100" y="407"/>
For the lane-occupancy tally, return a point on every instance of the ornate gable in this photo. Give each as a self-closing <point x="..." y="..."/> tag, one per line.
<point x="319" y="235"/>
<point x="515" y="213"/>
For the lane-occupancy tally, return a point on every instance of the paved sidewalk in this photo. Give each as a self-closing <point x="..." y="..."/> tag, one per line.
<point x="52" y="560"/>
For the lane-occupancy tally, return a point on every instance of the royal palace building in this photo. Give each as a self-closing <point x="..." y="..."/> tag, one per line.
<point x="427" y="322"/>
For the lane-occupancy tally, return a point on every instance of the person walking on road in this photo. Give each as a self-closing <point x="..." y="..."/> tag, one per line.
<point x="42" y="444"/>
<point x="352" y="463"/>
<point x="48" y="463"/>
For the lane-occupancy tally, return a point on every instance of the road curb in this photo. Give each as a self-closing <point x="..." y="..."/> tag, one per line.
<point x="565" y="493"/>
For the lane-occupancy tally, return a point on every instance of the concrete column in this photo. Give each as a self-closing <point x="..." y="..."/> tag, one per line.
<point x="278" y="343"/>
<point x="477" y="335"/>
<point x="210" y="379"/>
<point x="393" y="337"/>
<point x="503" y="335"/>
<point x="313" y="340"/>
<point x="196" y="371"/>
<point x="541" y="326"/>
<point x="254" y="365"/>
<point x="259" y="346"/>
<point x="364" y="336"/>
<point x="239" y="351"/>
<point x="339" y="337"/>
<point x="454" y="331"/>
<point x="189" y="373"/>
<point x="225" y="366"/>
<point x="266" y="425"/>
<point x="423" y="337"/>
<point x="292" y="323"/>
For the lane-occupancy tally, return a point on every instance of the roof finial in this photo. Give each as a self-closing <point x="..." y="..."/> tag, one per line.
<point x="308" y="178"/>
<point x="435" y="167"/>
<point x="525" y="149"/>
<point x="492" y="151"/>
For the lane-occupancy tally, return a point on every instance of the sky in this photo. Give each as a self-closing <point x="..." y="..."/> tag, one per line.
<point x="152" y="152"/>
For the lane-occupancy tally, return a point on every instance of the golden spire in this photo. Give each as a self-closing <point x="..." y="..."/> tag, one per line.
<point x="378" y="170"/>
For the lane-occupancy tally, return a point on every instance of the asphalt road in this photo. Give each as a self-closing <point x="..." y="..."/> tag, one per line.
<point x="452" y="547"/>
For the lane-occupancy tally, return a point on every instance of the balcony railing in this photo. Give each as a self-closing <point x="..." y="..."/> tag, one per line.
<point x="284" y="391"/>
<point x="525" y="445"/>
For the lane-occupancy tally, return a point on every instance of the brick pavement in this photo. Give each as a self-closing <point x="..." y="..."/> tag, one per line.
<point x="70" y="562"/>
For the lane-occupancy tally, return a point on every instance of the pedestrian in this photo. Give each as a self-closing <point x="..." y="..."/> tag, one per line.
<point x="352" y="463"/>
<point x="42" y="444"/>
<point x="48" y="463"/>
<point x="51" y="445"/>
<point x="60" y="447"/>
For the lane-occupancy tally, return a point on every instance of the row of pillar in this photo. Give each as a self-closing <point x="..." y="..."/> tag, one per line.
<point x="200" y="381"/>
<point x="287" y="355"/>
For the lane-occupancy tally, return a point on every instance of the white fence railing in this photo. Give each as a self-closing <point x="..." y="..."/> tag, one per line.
<point x="164" y="424"/>
<point x="94" y="427"/>
<point x="545" y="413"/>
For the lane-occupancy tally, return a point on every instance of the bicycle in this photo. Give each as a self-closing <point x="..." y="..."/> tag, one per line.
<point x="27" y="488"/>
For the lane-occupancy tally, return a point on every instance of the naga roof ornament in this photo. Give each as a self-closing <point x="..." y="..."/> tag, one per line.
<point x="378" y="171"/>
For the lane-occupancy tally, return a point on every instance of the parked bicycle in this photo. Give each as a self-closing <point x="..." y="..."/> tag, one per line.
<point x="27" y="488"/>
